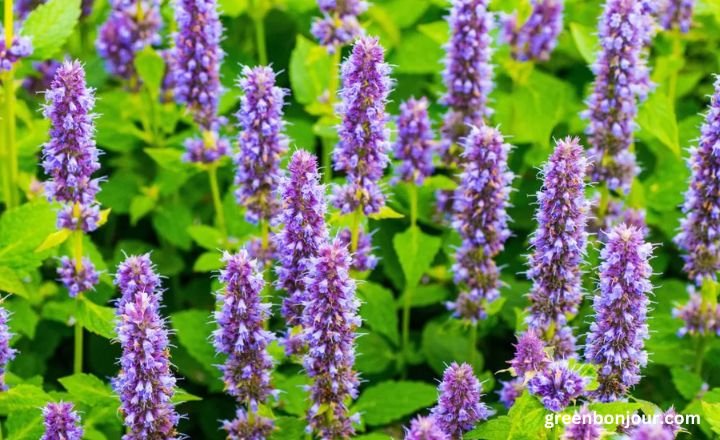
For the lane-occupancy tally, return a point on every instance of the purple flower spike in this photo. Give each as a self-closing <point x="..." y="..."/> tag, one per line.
<point x="329" y="321"/>
<point x="363" y="147"/>
<point x="303" y="216"/>
<point x="414" y="145"/>
<point x="262" y="143"/>
<point x="339" y="25"/>
<point x="658" y="429"/>
<point x="131" y="26"/>
<point x="6" y="352"/>
<point x="21" y="47"/>
<point x="616" y="339"/>
<point x="248" y="428"/>
<point x="585" y="428"/>
<point x="562" y="343"/>
<point x="197" y="60"/>
<point x="363" y="258"/>
<point x="699" y="317"/>
<point x="145" y="383"/>
<point x="240" y="335"/>
<point x="699" y="233"/>
<point x="62" y="422"/>
<point x="459" y="407"/>
<point x="77" y="280"/>
<point x="468" y="74"/>
<point x="677" y="14"/>
<point x="537" y="37"/>
<point x="530" y="355"/>
<point x="557" y="386"/>
<point x="79" y="217"/>
<point x="207" y="150"/>
<point x="485" y="183"/>
<point x="70" y="156"/>
<point x="44" y="72"/>
<point x="510" y="391"/>
<point x="425" y="428"/>
<point x="621" y="79"/>
<point x="560" y="239"/>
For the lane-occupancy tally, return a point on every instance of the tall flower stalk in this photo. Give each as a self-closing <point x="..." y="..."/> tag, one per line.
<point x="537" y="37"/>
<point x="145" y="383"/>
<point x="242" y="338"/>
<point x="70" y="158"/>
<point x="459" y="407"/>
<point x="559" y="242"/>
<point x="62" y="422"/>
<point x="7" y="353"/>
<point x="617" y="336"/>
<point x="364" y="136"/>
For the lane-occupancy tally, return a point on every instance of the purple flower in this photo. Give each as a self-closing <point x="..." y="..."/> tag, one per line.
<point x="560" y="239"/>
<point x="44" y="72"/>
<point x="663" y="426"/>
<point x="261" y="143"/>
<point x="699" y="317"/>
<point x="677" y="14"/>
<point x="303" y="216"/>
<point x="131" y="26"/>
<point x="241" y="316"/>
<point x="557" y="386"/>
<point x="339" y="25"/>
<point x="459" y="407"/>
<point x="21" y="47"/>
<point x="510" y="391"/>
<point x="699" y="233"/>
<point x="530" y="355"/>
<point x="207" y="150"/>
<point x="243" y="427"/>
<point x="62" y="422"/>
<point x="329" y="321"/>
<point x="616" y="339"/>
<point x="70" y="156"/>
<point x="562" y="343"/>
<point x="414" y="145"/>
<point x="263" y="253"/>
<point x="362" y="151"/>
<point x="6" y="352"/>
<point x="79" y="217"/>
<point x="468" y="73"/>
<point x="25" y="7"/>
<point x="197" y="60"/>
<point x="425" y="428"/>
<point x="479" y="215"/>
<point x="537" y="37"/>
<point x="621" y="78"/>
<point x="145" y="383"/>
<point x="363" y="258"/>
<point x="77" y="279"/>
<point x="584" y="427"/>
<point x="616" y="212"/>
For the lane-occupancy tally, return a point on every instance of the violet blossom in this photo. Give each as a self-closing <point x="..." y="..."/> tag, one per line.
<point x="459" y="407"/>
<point x="414" y="144"/>
<point x="537" y="37"/>
<point x="62" y="422"/>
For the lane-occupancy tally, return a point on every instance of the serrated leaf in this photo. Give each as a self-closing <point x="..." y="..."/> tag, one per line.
<point x="686" y="382"/>
<point x="150" y="67"/>
<point x="54" y="239"/>
<point x="25" y="425"/>
<point x="527" y="417"/>
<point x="88" y="389"/>
<point x="416" y="252"/>
<point x="171" y="222"/>
<point x="711" y="411"/>
<point x="22" y="230"/>
<point x="50" y="25"/>
<point x="378" y="310"/>
<point x="10" y="282"/>
<point x="96" y="318"/>
<point x="309" y="71"/>
<point x="443" y="344"/>
<point x="374" y="354"/>
<point x="194" y="330"/>
<point x="22" y="397"/>
<point x="497" y="428"/>
<point x="393" y="400"/>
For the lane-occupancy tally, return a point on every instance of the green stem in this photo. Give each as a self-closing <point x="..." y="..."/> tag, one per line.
<point x="676" y="55"/>
<point x="11" y="195"/>
<point x="413" y="196"/>
<point x="260" y="38"/>
<point x="78" y="254"/>
<point x="78" y="359"/>
<point x="264" y="234"/>
<point x="407" y="304"/>
<point x="217" y="201"/>
<point x="473" y="344"/>
<point x="700" y="348"/>
<point x="333" y="84"/>
<point x="355" y="230"/>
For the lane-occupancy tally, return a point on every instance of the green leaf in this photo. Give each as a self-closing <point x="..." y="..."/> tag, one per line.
<point x="24" y="318"/>
<point x="171" y="222"/>
<point x="378" y="310"/>
<point x="88" y="389"/>
<point x="656" y="118"/>
<point x="386" y="212"/>
<point x="208" y="262"/>
<point x="416" y="252"/>
<point x="96" y="318"/>
<point x="182" y="396"/>
<point x="527" y="418"/>
<point x="497" y="428"/>
<point x="443" y="344"/>
<point x="22" y="397"/>
<point x="711" y="411"/>
<point x="374" y="354"/>
<point x="194" y="331"/>
<point x="389" y="401"/>
<point x="417" y="54"/>
<point x="686" y="382"/>
<point x="289" y="428"/>
<point x="150" y="67"/>
<point x="11" y="282"/>
<point x="232" y="8"/>
<point x="140" y="206"/>
<point x="586" y="41"/>
<point x="50" y="25"/>
<point x="294" y="398"/>
<point x="54" y="239"/>
<point x="22" y="230"/>
<point x="25" y="425"/>
<point x="206" y="236"/>
<point x="425" y="295"/>
<point x="309" y="71"/>
<point x="438" y="31"/>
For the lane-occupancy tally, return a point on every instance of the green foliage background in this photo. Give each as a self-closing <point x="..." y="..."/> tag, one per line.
<point x="162" y="205"/>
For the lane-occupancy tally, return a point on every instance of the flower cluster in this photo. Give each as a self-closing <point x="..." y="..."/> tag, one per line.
<point x="699" y="233"/>
<point x="62" y="422"/>
<point x="329" y="321"/>
<point x="241" y="336"/>
<point x="362" y="258"/>
<point x="479" y="216"/>
<point x="677" y="14"/>
<point x="459" y="407"/>
<point x="560" y="238"/>
<point x="197" y="57"/>
<point x="414" y="144"/>
<point x="21" y="47"/>
<point x="244" y="427"/>
<point x="530" y="355"/>
<point x="6" y="352"/>
<point x="303" y="216"/>
<point x="510" y="390"/>
<point x="699" y="316"/>
<point x="206" y="150"/>
<point x="557" y="386"/>
<point x="261" y="143"/>
<point x="585" y="428"/>
<point x="621" y="78"/>
<point x="467" y="75"/>
<point x="537" y="37"/>
<point x="658" y="429"/>
<point x="362" y="151"/>
<point x="339" y="25"/>
<point x="616" y="339"/>
<point x="425" y="428"/>
<point x="131" y="26"/>
<point x="78" y="277"/>
<point x="145" y="383"/>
